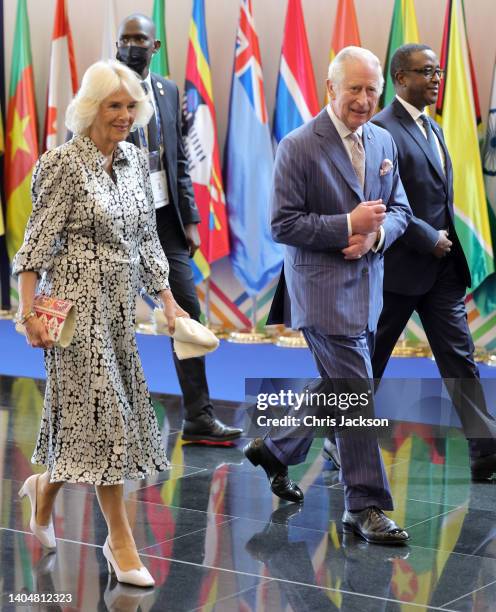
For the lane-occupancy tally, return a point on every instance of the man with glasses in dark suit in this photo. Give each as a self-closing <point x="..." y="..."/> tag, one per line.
<point x="425" y="270"/>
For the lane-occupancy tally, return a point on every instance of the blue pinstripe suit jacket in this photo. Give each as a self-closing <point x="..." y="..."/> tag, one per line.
<point x="314" y="187"/>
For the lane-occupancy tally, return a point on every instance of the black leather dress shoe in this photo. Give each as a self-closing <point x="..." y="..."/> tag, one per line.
<point x="330" y="452"/>
<point x="206" y="428"/>
<point x="483" y="468"/>
<point x="374" y="526"/>
<point x="277" y="473"/>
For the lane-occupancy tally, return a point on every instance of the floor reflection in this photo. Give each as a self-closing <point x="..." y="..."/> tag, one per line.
<point x="215" y="538"/>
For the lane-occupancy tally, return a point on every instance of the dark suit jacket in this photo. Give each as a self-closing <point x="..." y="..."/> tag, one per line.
<point x="174" y="159"/>
<point x="314" y="188"/>
<point x="410" y="268"/>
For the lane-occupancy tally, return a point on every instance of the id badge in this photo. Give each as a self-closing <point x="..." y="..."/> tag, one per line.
<point x="159" y="181"/>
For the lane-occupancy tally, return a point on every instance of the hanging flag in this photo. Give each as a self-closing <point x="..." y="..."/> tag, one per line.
<point x="345" y="33"/>
<point x="2" y="149"/>
<point x="488" y="289"/>
<point x="21" y="151"/>
<point x="404" y="30"/>
<point x="160" y="61"/>
<point x="248" y="163"/>
<point x="62" y="80"/>
<point x="109" y="36"/>
<point x="455" y="112"/>
<point x="296" y="93"/>
<point x="202" y="149"/>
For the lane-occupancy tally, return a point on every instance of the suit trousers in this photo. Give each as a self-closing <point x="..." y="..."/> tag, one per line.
<point x="444" y="319"/>
<point x="362" y="470"/>
<point x="190" y="372"/>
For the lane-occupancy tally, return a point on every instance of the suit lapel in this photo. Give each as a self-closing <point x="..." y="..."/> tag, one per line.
<point x="166" y="115"/>
<point x="412" y="128"/>
<point x="447" y="162"/>
<point x="373" y="160"/>
<point x="334" y="150"/>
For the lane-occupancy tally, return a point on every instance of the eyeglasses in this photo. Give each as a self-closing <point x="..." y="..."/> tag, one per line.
<point x="427" y="72"/>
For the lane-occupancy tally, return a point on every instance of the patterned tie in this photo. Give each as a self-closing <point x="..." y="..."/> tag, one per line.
<point x="153" y="144"/>
<point x="431" y="139"/>
<point x="358" y="157"/>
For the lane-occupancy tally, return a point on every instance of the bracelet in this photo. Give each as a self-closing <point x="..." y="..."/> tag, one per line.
<point x="25" y="317"/>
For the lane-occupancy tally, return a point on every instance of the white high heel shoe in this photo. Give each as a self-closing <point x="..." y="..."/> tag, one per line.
<point x="45" y="535"/>
<point x="139" y="577"/>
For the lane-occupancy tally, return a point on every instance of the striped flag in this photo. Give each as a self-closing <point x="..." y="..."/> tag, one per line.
<point x="456" y="113"/>
<point x="296" y="94"/>
<point x="489" y="170"/>
<point x="109" y="37"/>
<point x="160" y="60"/>
<point x="248" y="164"/>
<point x="345" y="33"/>
<point x="202" y="149"/>
<point x="2" y="149"/>
<point x="404" y="30"/>
<point x="21" y="151"/>
<point x="62" y="80"/>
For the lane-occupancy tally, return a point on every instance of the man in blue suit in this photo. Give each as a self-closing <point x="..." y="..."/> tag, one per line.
<point x="337" y="205"/>
<point x="426" y="270"/>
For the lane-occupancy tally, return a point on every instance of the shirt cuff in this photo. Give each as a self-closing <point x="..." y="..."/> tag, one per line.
<point x="378" y="245"/>
<point x="348" y="221"/>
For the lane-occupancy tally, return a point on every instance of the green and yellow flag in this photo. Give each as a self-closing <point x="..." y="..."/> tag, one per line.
<point x="456" y="113"/>
<point x="21" y="151"/>
<point x="2" y="149"/>
<point x="160" y="61"/>
<point x="403" y="30"/>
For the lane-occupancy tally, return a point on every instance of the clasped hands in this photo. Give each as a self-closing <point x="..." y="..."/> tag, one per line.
<point x="366" y="220"/>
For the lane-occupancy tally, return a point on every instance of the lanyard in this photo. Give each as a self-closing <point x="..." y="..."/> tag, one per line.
<point x="143" y="137"/>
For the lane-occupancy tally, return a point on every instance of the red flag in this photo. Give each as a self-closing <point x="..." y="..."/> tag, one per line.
<point x="62" y="80"/>
<point x="345" y="33"/>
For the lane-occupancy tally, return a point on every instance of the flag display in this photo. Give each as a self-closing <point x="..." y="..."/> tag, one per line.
<point x="255" y="257"/>
<point x="160" y="60"/>
<point x="109" y="37"/>
<point x="404" y="30"/>
<point x="62" y="80"/>
<point x="296" y="94"/>
<point x="202" y="149"/>
<point x="345" y="33"/>
<point x="455" y="112"/>
<point x="21" y="151"/>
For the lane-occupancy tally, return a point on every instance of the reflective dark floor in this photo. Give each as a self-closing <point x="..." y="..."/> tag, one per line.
<point x="215" y="538"/>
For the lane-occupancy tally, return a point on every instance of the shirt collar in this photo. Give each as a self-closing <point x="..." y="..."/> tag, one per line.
<point x="93" y="153"/>
<point x="413" y="111"/>
<point x="341" y="128"/>
<point x="148" y="82"/>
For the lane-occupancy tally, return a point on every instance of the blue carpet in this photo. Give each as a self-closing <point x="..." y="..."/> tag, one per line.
<point x="227" y="367"/>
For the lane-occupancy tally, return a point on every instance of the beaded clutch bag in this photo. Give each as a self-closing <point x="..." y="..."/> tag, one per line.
<point x="59" y="317"/>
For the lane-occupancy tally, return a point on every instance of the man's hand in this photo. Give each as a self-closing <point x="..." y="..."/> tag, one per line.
<point x="368" y="217"/>
<point x="443" y="246"/>
<point x="192" y="237"/>
<point x="172" y="310"/>
<point x="359" y="245"/>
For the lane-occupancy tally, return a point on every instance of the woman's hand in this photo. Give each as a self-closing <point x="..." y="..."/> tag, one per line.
<point x="171" y="310"/>
<point x="37" y="333"/>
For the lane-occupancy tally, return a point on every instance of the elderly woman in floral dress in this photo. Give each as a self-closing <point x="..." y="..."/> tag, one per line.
<point x="92" y="239"/>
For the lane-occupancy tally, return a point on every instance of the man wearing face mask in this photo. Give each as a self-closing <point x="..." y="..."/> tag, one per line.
<point x="177" y="214"/>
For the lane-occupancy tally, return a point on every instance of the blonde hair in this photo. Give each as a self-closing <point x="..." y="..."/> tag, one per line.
<point x="101" y="80"/>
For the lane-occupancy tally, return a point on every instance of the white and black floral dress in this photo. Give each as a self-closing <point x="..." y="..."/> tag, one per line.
<point x="93" y="240"/>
